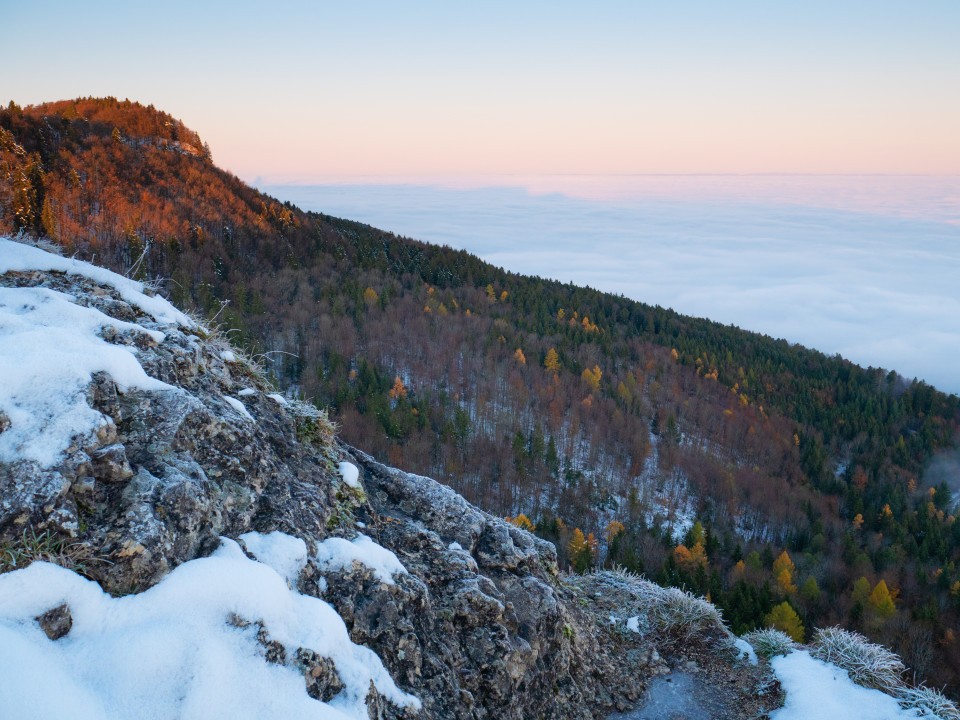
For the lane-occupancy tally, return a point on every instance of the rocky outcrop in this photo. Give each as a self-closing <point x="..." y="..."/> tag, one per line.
<point x="483" y="624"/>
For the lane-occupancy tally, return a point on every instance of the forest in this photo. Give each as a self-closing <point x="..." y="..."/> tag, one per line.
<point x="786" y="485"/>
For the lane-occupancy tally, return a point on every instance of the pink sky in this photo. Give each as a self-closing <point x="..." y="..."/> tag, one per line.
<point x="320" y="91"/>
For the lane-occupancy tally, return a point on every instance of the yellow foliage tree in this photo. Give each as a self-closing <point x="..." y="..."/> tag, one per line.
<point x="698" y="555"/>
<point x="783" y="570"/>
<point x="785" y="619"/>
<point x="520" y="357"/>
<point x="577" y="543"/>
<point x="398" y="390"/>
<point x="782" y="562"/>
<point x="581" y="550"/>
<point x="785" y="582"/>
<point x="521" y="521"/>
<point x="592" y="377"/>
<point x="552" y="361"/>
<point x="370" y="296"/>
<point x="614" y="529"/>
<point x="881" y="600"/>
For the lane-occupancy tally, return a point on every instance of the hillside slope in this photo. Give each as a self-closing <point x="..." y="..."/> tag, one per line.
<point x="574" y="410"/>
<point x="184" y="455"/>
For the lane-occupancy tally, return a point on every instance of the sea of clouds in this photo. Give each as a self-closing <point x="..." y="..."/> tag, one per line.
<point x="867" y="267"/>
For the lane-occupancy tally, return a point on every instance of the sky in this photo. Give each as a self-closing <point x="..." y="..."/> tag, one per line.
<point x="323" y="91"/>
<point x="792" y="168"/>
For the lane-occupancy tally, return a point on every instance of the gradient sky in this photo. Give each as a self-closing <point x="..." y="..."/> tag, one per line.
<point x="298" y="91"/>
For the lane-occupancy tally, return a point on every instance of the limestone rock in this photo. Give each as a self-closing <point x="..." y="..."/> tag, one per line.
<point x="56" y="622"/>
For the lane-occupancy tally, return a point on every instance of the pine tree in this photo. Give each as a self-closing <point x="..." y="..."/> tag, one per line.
<point x="48" y="221"/>
<point x="810" y="591"/>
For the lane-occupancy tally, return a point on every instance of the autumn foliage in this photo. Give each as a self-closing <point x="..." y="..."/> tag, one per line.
<point x="534" y="398"/>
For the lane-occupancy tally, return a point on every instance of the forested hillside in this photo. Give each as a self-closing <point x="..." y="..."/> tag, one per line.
<point x="609" y="425"/>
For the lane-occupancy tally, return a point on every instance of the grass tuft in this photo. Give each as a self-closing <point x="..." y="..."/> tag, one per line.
<point x="769" y="643"/>
<point x="928" y="701"/>
<point x="666" y="611"/>
<point x="46" y="547"/>
<point x="868" y="664"/>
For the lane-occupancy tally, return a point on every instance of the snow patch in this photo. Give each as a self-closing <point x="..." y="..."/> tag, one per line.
<point x="286" y="554"/>
<point x="246" y="392"/>
<point x="171" y="653"/>
<point x="277" y="398"/>
<point x="819" y="691"/>
<point x="49" y="350"/>
<point x="228" y="356"/>
<point x="340" y="554"/>
<point x="633" y="623"/>
<point x="746" y="649"/>
<point x="239" y="407"/>
<point x="17" y="257"/>
<point x="350" y="474"/>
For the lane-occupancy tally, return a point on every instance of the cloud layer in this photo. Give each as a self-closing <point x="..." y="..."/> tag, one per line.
<point x="879" y="289"/>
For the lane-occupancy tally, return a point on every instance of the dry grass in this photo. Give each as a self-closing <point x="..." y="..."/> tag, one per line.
<point x="769" y="643"/>
<point x="666" y="611"/>
<point x="868" y="664"/>
<point x="45" y="547"/>
<point x="928" y="701"/>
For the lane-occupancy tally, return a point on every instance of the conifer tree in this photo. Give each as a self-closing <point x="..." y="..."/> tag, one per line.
<point x="881" y="600"/>
<point x="785" y="618"/>
<point x="552" y="361"/>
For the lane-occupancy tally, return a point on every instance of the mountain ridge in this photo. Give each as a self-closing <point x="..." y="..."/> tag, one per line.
<point x="641" y="416"/>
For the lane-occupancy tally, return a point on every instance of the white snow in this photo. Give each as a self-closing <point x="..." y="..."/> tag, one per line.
<point x="239" y="407"/>
<point x="284" y="553"/>
<point x="820" y="691"/>
<point x="277" y="398"/>
<point x="746" y="648"/>
<point x="170" y="653"/>
<point x="350" y="474"/>
<point x="17" y="257"/>
<point x="454" y="546"/>
<point x="228" y="356"/>
<point x="633" y="623"/>
<point x="340" y="554"/>
<point x="247" y="391"/>
<point x="49" y="349"/>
